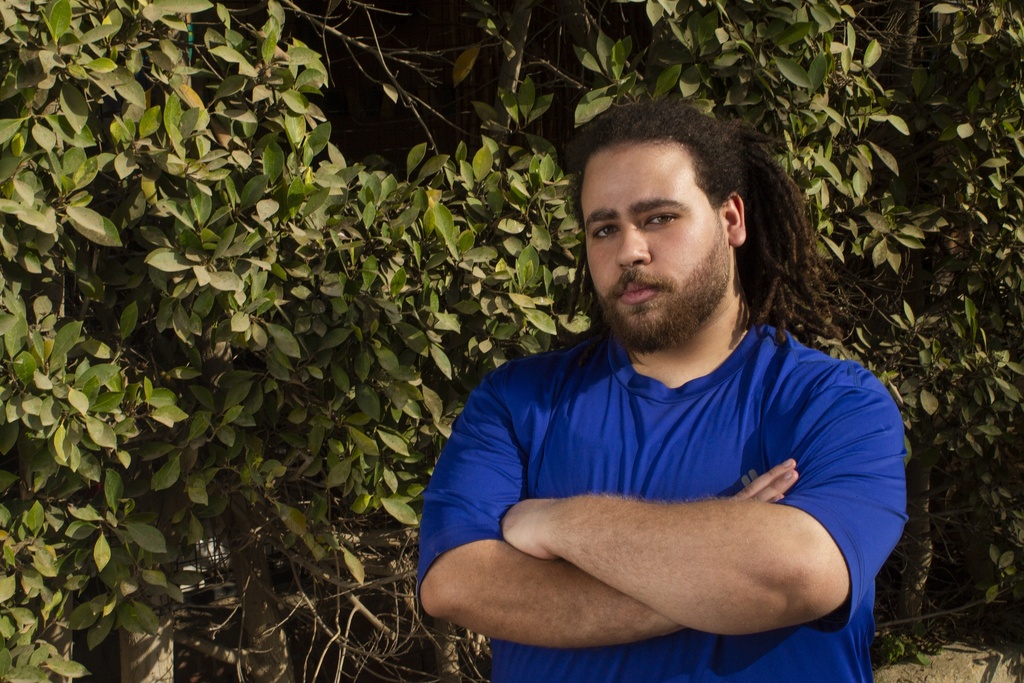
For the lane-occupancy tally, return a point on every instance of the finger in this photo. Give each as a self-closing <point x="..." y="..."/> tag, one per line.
<point x="771" y="485"/>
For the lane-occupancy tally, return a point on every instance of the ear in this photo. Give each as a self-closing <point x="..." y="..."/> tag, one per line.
<point x="733" y="218"/>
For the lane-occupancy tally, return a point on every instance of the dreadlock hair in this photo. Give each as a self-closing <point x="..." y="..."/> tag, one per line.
<point x="782" y="275"/>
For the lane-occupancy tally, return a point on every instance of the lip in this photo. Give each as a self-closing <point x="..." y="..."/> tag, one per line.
<point x="638" y="295"/>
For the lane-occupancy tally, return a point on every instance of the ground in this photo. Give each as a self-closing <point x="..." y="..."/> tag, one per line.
<point x="961" y="663"/>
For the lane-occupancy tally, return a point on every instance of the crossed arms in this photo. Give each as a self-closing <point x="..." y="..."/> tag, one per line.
<point x="599" y="570"/>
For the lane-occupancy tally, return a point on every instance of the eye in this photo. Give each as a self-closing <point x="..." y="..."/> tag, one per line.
<point x="661" y="218"/>
<point x="603" y="231"/>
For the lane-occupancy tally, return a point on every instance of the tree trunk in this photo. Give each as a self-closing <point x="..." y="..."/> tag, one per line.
<point x="146" y="658"/>
<point x="59" y="635"/>
<point x="267" y="657"/>
<point x="902" y="53"/>
<point x="446" y="652"/>
<point x="917" y="540"/>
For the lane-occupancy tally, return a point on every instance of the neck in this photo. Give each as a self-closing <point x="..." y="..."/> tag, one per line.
<point x="702" y="353"/>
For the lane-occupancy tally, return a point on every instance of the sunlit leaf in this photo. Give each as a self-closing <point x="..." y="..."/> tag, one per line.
<point x="400" y="510"/>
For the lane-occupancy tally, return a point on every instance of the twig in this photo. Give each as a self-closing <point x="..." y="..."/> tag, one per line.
<point x="933" y="615"/>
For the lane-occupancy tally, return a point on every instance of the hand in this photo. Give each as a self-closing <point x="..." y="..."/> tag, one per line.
<point x="522" y="526"/>
<point x="770" y="486"/>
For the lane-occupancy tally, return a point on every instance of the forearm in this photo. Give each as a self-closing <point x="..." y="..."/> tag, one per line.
<point x="721" y="566"/>
<point x="494" y="589"/>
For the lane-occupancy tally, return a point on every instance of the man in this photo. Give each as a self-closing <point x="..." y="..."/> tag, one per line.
<point x="583" y="514"/>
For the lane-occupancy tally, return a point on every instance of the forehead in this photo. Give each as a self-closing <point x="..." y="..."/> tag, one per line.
<point x="637" y="170"/>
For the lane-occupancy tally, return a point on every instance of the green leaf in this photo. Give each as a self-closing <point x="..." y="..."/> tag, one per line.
<point x="129" y="318"/>
<point x="8" y="585"/>
<point x="1005" y="560"/>
<point x="8" y="127"/>
<point x="226" y="281"/>
<point x="354" y="565"/>
<point x="293" y="519"/>
<point x="26" y="674"/>
<point x="101" y="552"/>
<point x="362" y="442"/>
<point x="339" y="474"/>
<point x="147" y="617"/>
<point x="295" y="129"/>
<point x="542" y="321"/>
<point x="394" y="442"/>
<point x="65" y="339"/>
<point x="898" y="123"/>
<point x="98" y="632"/>
<point x="368" y="401"/>
<point x="113" y="488"/>
<point x="102" y="65"/>
<point x="183" y="6"/>
<point x="441" y="360"/>
<point x="872" y="53"/>
<point x="25" y="367"/>
<point x="93" y="226"/>
<point x="150" y="122"/>
<point x="78" y="400"/>
<point x="85" y="614"/>
<point x="668" y="79"/>
<point x="284" y="340"/>
<point x="59" y="19"/>
<point x="169" y="261"/>
<point x="483" y="160"/>
<point x="817" y="71"/>
<point x="447" y="321"/>
<point x="254" y="190"/>
<point x="793" y="72"/>
<point x="929" y="402"/>
<point x="464" y="65"/>
<point x="295" y="101"/>
<point x="66" y="668"/>
<point x="793" y="33"/>
<point x="887" y="158"/>
<point x="445" y="225"/>
<point x="167" y="476"/>
<point x="273" y="161"/>
<point x="100" y="432"/>
<point x="400" y="510"/>
<point x="34" y="517"/>
<point x="7" y="478"/>
<point x="146" y="537"/>
<point x="415" y="156"/>
<point x="587" y="110"/>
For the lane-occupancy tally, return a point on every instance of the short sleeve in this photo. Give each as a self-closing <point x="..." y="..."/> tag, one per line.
<point x="847" y="439"/>
<point x="478" y="477"/>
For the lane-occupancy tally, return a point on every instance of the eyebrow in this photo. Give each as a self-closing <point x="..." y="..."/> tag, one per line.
<point x="640" y="206"/>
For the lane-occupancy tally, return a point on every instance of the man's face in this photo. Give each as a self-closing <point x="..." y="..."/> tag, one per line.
<point x="660" y="256"/>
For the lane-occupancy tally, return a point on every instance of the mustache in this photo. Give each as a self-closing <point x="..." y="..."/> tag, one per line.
<point x="639" y="280"/>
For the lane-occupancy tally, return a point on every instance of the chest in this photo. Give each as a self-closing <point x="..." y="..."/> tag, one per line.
<point x="609" y="441"/>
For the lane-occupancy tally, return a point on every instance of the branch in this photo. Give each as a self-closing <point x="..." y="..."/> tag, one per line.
<point x="228" y="655"/>
<point x="933" y="615"/>
<point x="410" y="100"/>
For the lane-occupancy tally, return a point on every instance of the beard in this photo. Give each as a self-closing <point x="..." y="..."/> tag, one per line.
<point x="677" y="314"/>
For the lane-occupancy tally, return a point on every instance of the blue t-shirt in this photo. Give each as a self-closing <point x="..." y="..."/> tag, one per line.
<point x="583" y="421"/>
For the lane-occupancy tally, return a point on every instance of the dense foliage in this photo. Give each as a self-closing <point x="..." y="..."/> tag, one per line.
<point x="217" y="330"/>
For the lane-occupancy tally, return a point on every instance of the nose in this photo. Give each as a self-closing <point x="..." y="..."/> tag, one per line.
<point x="633" y="248"/>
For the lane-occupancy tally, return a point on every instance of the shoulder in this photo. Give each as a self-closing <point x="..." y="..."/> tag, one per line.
<point x="791" y="363"/>
<point x="531" y="378"/>
<point x="801" y="380"/>
<point x="514" y="403"/>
